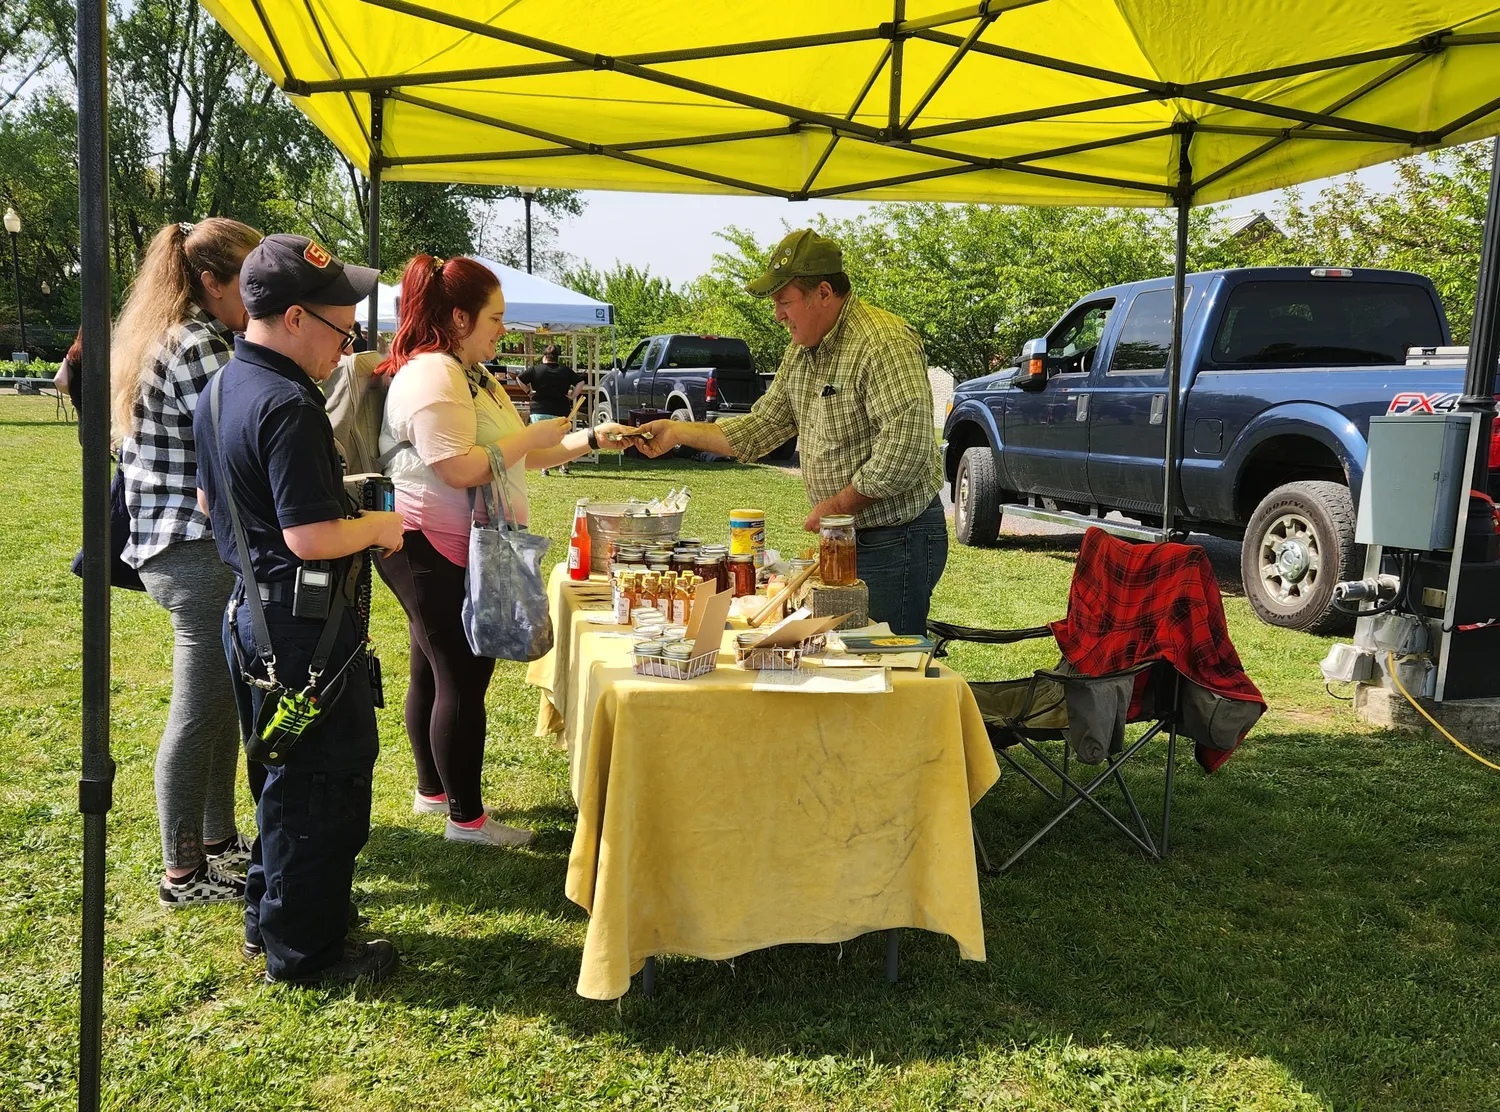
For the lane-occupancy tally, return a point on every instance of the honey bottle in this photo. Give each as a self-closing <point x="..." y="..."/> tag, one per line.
<point x="650" y="589"/>
<point x="624" y="595"/>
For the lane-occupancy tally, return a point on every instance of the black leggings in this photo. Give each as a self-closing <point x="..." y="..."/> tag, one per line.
<point x="445" y="702"/>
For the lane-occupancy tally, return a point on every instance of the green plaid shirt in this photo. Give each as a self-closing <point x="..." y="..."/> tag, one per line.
<point x="875" y="430"/>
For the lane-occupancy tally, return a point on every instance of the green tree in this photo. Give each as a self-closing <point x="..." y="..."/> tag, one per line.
<point x="645" y="304"/>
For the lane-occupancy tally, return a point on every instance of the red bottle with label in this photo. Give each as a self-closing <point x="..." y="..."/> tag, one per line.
<point x="580" y="553"/>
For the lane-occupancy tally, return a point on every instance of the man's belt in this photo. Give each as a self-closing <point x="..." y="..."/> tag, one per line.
<point x="280" y="591"/>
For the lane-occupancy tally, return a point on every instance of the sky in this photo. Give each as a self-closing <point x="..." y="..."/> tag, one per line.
<point x="674" y="233"/>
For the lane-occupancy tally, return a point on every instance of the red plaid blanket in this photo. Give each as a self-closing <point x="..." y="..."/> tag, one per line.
<point x="1133" y="603"/>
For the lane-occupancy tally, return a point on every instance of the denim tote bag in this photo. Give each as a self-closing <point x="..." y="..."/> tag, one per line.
<point x="505" y="611"/>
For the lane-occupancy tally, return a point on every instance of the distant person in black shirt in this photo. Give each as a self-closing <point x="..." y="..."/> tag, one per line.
<point x="360" y="343"/>
<point x="553" y="388"/>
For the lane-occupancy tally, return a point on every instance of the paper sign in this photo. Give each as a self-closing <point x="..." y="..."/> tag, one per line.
<point x="851" y="681"/>
<point x="791" y="634"/>
<point x="710" y="615"/>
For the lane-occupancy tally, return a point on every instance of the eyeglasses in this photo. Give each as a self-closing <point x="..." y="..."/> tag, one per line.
<point x="349" y="336"/>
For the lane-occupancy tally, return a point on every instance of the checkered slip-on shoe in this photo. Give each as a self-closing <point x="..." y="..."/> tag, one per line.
<point x="235" y="860"/>
<point x="205" y="885"/>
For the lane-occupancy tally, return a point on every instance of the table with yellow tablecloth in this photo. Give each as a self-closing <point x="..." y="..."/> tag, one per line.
<point x="714" y="819"/>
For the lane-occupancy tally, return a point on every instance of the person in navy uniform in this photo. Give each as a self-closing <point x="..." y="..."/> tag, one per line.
<point x="273" y="450"/>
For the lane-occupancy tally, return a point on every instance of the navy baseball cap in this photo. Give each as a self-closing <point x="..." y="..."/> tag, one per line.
<point x="285" y="270"/>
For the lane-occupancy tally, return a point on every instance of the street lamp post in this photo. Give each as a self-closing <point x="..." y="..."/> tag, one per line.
<point x="13" y="226"/>
<point x="527" y="193"/>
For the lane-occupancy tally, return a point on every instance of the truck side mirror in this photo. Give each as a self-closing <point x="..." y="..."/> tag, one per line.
<point x="1032" y="369"/>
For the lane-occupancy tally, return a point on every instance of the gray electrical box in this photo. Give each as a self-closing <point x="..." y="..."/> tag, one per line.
<point x="1413" y="479"/>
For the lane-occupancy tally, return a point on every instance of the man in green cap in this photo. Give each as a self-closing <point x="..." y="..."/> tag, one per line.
<point x="853" y="388"/>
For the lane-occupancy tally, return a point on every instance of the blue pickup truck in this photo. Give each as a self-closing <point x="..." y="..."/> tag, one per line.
<point x="694" y="378"/>
<point x="1282" y="370"/>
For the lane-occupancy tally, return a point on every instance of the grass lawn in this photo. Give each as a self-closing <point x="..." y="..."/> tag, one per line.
<point x="1323" y="937"/>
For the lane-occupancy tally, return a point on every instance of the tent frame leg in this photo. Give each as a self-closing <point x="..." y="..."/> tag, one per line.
<point x="1171" y="484"/>
<point x="372" y="244"/>
<point x="96" y="785"/>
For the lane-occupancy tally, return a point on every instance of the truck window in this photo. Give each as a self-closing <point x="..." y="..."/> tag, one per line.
<point x="1071" y="347"/>
<point x="703" y="351"/>
<point x="1146" y="336"/>
<point x="1329" y="322"/>
<point x="637" y="357"/>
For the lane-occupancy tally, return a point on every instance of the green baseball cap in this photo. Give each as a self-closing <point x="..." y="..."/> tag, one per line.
<point x="803" y="254"/>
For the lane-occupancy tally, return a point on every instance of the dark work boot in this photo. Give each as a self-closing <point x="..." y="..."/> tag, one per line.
<point x="255" y="949"/>
<point x="373" y="961"/>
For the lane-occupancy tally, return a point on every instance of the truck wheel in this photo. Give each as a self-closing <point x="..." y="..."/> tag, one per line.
<point x="976" y="498"/>
<point x="603" y="415"/>
<point x="1298" y="545"/>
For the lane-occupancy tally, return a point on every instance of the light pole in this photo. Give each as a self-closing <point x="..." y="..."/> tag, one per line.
<point x="527" y="193"/>
<point x="13" y="226"/>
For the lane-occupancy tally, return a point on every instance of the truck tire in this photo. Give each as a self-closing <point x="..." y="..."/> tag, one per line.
<point x="976" y="498"/>
<point x="1298" y="545"/>
<point x="603" y="413"/>
<point x="682" y="413"/>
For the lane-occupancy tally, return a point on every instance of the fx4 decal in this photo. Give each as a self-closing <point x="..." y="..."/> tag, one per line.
<point x="1423" y="403"/>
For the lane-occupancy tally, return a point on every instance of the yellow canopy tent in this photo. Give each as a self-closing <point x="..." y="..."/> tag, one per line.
<point x="1086" y="102"/>
<point x="1102" y="102"/>
<point x="1066" y="102"/>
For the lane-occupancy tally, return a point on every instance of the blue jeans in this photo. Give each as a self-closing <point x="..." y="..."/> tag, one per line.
<point x="901" y="564"/>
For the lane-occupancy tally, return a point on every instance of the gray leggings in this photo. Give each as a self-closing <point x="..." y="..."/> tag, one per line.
<point x="198" y="756"/>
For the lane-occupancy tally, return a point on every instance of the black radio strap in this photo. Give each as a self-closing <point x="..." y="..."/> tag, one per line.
<point x="263" y="648"/>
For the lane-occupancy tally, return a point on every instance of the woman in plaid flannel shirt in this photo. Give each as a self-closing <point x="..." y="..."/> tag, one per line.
<point x="174" y="333"/>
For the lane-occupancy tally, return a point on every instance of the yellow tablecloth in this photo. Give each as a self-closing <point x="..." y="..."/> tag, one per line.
<point x="714" y="820"/>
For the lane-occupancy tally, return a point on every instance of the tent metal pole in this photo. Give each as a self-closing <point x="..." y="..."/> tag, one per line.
<point x="96" y="784"/>
<point x="372" y="258"/>
<point x="1171" y="492"/>
<point x="1484" y="338"/>
<point x="898" y="59"/>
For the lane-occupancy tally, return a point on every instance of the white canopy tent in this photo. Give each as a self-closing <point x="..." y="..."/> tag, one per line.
<point x="530" y="300"/>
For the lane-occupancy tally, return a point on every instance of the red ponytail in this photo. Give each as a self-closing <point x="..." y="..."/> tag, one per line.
<point x="430" y="291"/>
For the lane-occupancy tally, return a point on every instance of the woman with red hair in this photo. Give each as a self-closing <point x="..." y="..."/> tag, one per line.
<point x="449" y="428"/>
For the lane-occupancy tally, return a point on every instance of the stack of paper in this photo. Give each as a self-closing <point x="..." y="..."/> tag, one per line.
<point x="846" y="681"/>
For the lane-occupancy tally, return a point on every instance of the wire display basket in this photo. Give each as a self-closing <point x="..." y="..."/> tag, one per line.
<point x="666" y="668"/>
<point x="754" y="658"/>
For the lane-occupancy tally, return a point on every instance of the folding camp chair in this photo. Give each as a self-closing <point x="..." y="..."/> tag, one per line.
<point x="1147" y="640"/>
<point x="1029" y="712"/>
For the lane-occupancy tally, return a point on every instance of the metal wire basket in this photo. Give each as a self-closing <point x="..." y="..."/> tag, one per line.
<point x="778" y="660"/>
<point x="666" y="668"/>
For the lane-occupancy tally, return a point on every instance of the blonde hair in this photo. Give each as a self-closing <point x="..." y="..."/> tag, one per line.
<point x="166" y="287"/>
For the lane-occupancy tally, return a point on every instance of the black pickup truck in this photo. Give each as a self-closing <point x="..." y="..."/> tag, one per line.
<point x="691" y="378"/>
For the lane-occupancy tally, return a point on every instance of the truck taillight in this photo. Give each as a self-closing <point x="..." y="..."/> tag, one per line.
<point x="711" y="390"/>
<point x="1495" y="448"/>
<point x="1332" y="272"/>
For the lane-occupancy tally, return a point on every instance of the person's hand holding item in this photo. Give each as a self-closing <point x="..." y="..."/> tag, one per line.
<point x="613" y="435"/>
<point x="390" y="529"/>
<point x="814" y="520"/>
<point x="655" y="438"/>
<point x="548" y="433"/>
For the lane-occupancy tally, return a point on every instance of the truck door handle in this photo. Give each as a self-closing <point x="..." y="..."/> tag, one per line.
<point x="1158" y="408"/>
<point x="1083" y="407"/>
